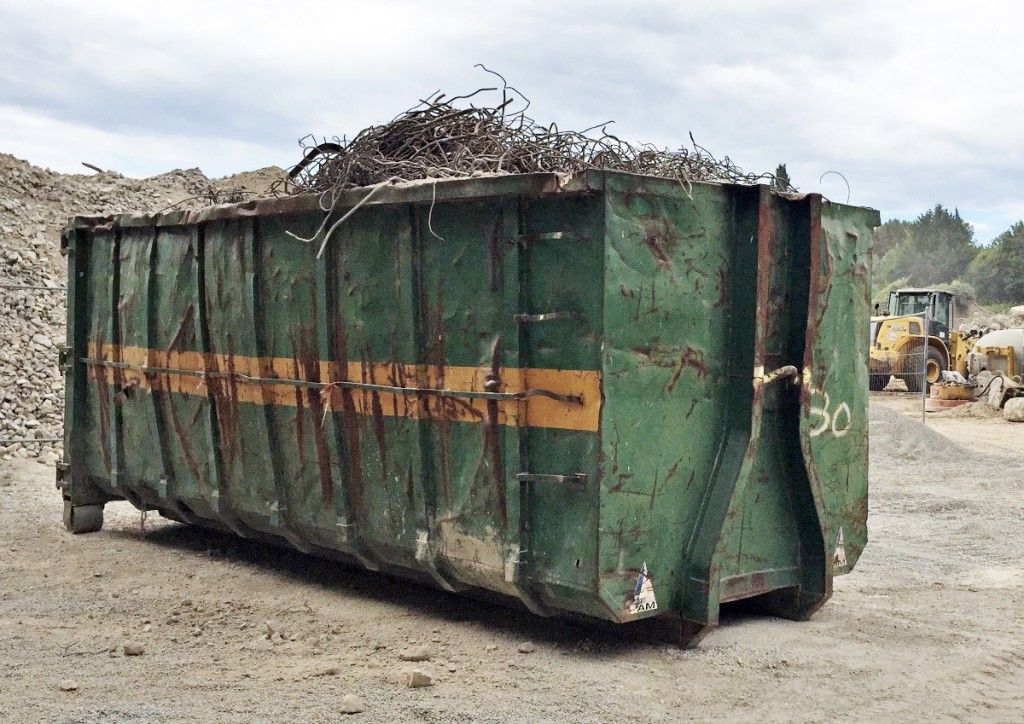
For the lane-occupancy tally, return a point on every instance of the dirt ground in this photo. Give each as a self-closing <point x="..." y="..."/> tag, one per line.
<point x="929" y="626"/>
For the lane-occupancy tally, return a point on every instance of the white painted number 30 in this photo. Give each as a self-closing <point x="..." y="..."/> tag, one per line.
<point x="837" y="421"/>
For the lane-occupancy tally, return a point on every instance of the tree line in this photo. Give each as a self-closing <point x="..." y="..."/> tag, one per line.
<point x="938" y="249"/>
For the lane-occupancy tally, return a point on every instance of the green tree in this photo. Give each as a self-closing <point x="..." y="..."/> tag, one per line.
<point x="997" y="272"/>
<point x="936" y="247"/>
<point x="888" y="235"/>
<point x="781" y="180"/>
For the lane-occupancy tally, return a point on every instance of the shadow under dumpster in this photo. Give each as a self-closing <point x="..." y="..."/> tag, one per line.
<point x="577" y="636"/>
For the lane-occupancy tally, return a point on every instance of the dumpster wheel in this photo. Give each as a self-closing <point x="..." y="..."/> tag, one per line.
<point x="82" y="518"/>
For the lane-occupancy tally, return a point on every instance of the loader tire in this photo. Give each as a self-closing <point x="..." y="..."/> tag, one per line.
<point x="937" y="362"/>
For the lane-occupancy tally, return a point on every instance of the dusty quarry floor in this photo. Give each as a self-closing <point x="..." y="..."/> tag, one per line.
<point x="930" y="625"/>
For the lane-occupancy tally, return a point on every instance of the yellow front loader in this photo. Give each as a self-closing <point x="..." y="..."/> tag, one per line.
<point x="898" y="343"/>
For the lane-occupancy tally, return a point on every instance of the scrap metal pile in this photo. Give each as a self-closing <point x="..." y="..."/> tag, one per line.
<point x="462" y="136"/>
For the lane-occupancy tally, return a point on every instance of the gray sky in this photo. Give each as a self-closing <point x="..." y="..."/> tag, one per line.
<point x="915" y="102"/>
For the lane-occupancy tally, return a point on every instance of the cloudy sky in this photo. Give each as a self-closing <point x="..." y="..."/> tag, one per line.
<point x="915" y="102"/>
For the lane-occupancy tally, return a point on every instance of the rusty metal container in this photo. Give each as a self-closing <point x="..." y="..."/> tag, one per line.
<point x="603" y="395"/>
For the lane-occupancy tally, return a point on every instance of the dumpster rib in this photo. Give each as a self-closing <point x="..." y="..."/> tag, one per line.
<point x="221" y="425"/>
<point x="169" y="409"/>
<point x="492" y="440"/>
<point x="377" y="413"/>
<point x="116" y="431"/>
<point x="265" y="264"/>
<point x="98" y="375"/>
<point x="311" y="371"/>
<point x="346" y="433"/>
<point x="160" y="397"/>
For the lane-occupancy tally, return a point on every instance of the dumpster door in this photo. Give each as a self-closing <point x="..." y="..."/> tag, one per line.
<point x="835" y="386"/>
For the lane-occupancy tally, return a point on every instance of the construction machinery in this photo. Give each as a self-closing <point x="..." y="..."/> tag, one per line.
<point x="998" y="352"/>
<point x="899" y="339"/>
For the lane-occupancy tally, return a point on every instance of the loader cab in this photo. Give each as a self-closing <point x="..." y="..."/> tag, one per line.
<point x="936" y="302"/>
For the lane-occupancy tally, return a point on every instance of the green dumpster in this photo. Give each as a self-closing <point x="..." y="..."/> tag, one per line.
<point x="602" y="395"/>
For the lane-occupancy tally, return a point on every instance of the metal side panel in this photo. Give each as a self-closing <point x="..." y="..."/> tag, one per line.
<point x="180" y="401"/>
<point x="95" y="454"/>
<point x="370" y="336"/>
<point x="247" y="489"/>
<point x="561" y="258"/>
<point x="286" y="301"/>
<point x="760" y="541"/>
<point x="835" y="386"/>
<point x="466" y="300"/>
<point x="676" y="369"/>
<point x="139" y="468"/>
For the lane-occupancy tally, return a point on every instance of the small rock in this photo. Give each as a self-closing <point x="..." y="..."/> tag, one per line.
<point x="415" y="653"/>
<point x="260" y="643"/>
<point x="491" y="647"/>
<point x="351" y="704"/>
<point x="133" y="648"/>
<point x="896" y="384"/>
<point x="526" y="647"/>
<point x="419" y="678"/>
<point x="1013" y="410"/>
<point x="68" y="685"/>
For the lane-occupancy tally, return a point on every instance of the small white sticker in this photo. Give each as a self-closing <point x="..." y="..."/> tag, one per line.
<point x="643" y="594"/>
<point x="839" y="557"/>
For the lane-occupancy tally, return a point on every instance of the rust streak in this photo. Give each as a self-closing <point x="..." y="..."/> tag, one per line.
<point x="378" y="421"/>
<point x="689" y="358"/>
<point x="179" y="431"/>
<point x="300" y="403"/>
<point x="436" y="351"/>
<point x="311" y="371"/>
<point x="653" y="242"/>
<point x="350" y="428"/>
<point x="495" y="257"/>
<point x="103" y="407"/>
<point x="492" y="434"/>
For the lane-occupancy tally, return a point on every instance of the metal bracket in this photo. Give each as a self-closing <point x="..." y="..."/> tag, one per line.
<point x="61" y="471"/>
<point x="760" y="376"/>
<point x="62" y="358"/>
<point x="547" y="317"/>
<point x="575" y="480"/>
<point x="551" y="236"/>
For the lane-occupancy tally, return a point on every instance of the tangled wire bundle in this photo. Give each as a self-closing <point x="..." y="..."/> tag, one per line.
<point x="438" y="139"/>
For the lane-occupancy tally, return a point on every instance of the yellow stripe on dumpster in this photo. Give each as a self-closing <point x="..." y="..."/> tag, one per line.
<point x="188" y="373"/>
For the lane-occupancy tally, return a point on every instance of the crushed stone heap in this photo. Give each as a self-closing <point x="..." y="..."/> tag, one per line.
<point x="35" y="203"/>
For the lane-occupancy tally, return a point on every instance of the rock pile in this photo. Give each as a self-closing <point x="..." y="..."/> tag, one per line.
<point x="993" y="322"/>
<point x="35" y="204"/>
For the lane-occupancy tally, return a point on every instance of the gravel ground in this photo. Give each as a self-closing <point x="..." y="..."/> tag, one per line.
<point x="929" y="626"/>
